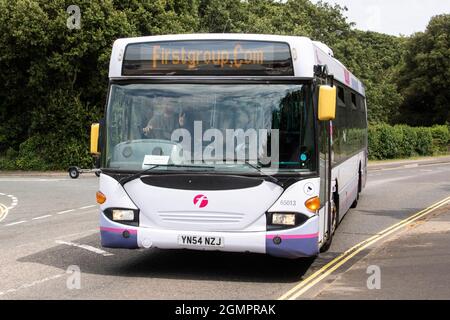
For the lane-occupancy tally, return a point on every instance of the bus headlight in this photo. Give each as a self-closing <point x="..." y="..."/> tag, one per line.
<point x="122" y="215"/>
<point x="284" y="219"/>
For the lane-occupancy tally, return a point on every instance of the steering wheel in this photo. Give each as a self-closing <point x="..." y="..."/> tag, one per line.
<point x="152" y="133"/>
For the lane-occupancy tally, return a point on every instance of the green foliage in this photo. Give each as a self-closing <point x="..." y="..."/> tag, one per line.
<point x="7" y="162"/>
<point x="374" y="57"/>
<point x="390" y="140"/>
<point x="408" y="147"/>
<point x="424" y="144"/>
<point x="402" y="141"/>
<point x="36" y="153"/>
<point x="424" y="78"/>
<point x="441" y="138"/>
<point x="54" y="80"/>
<point x="374" y="144"/>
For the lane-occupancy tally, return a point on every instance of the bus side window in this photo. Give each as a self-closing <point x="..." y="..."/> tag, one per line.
<point x="361" y="105"/>
<point x="338" y="124"/>
<point x="348" y="98"/>
<point x="348" y="124"/>
<point x="354" y="107"/>
<point x="323" y="153"/>
<point x="341" y="97"/>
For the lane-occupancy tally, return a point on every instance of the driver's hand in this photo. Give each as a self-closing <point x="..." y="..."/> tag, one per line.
<point x="147" y="129"/>
<point x="181" y="119"/>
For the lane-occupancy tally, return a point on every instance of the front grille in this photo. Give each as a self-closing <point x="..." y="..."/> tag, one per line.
<point x="203" y="217"/>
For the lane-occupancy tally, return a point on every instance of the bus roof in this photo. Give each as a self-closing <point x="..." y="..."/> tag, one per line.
<point x="305" y="54"/>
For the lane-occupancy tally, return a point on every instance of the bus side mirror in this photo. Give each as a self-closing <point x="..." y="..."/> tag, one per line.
<point x="95" y="129"/>
<point x="327" y="103"/>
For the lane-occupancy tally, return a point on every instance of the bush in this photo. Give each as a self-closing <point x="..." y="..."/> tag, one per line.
<point x="390" y="141"/>
<point x="7" y="164"/>
<point x="32" y="155"/>
<point x="424" y="143"/>
<point x="50" y="152"/>
<point x="59" y="136"/>
<point x="402" y="141"/>
<point x="7" y="161"/>
<point x="374" y="144"/>
<point x="409" y="141"/>
<point x="441" y="139"/>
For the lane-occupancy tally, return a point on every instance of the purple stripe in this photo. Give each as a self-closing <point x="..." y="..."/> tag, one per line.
<point x="118" y="230"/>
<point x="293" y="236"/>
<point x="293" y="248"/>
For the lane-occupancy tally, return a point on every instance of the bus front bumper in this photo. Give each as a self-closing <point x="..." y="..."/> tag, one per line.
<point x="292" y="243"/>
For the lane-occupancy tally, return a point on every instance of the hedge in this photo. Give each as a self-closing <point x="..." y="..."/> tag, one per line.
<point x="401" y="141"/>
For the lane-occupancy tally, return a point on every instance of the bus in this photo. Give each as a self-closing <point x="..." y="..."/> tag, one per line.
<point x="228" y="142"/>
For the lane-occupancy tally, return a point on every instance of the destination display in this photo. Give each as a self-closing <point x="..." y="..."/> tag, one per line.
<point x="208" y="58"/>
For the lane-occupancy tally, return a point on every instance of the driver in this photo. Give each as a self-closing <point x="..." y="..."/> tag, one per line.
<point x="161" y="125"/>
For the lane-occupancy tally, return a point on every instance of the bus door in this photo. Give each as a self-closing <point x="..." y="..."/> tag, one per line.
<point x="325" y="128"/>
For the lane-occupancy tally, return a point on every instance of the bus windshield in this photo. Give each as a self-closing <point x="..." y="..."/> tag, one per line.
<point x="230" y="128"/>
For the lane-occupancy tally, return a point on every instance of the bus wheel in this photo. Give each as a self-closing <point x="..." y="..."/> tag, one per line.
<point x="335" y="217"/>
<point x="355" y="203"/>
<point x="334" y="225"/>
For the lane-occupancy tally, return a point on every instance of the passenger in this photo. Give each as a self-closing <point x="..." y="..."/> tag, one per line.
<point x="161" y="125"/>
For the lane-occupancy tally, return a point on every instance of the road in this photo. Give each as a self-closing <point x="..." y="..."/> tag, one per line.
<point x="51" y="229"/>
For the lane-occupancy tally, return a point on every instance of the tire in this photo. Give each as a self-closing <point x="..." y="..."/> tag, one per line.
<point x="335" y="215"/>
<point x="334" y="224"/>
<point x="74" y="173"/>
<point x="355" y="203"/>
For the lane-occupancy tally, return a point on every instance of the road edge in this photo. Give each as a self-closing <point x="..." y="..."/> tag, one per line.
<point x="309" y="282"/>
<point x="408" y="163"/>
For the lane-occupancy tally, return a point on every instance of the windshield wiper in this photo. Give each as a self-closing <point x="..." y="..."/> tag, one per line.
<point x="258" y="168"/>
<point x="268" y="176"/>
<point x="140" y="173"/>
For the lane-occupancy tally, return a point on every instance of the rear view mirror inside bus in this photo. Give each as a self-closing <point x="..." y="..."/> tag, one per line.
<point x="327" y="103"/>
<point x="95" y="128"/>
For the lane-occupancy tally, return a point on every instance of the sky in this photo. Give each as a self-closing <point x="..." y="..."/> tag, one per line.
<point x="393" y="17"/>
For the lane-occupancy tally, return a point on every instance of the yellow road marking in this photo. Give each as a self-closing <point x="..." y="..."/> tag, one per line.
<point x="3" y="211"/>
<point x="326" y="270"/>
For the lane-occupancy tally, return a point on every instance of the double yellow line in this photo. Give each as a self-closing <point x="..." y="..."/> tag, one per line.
<point x="330" y="267"/>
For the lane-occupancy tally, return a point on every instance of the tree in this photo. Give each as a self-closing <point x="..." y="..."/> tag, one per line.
<point x="374" y="58"/>
<point x="424" y="78"/>
<point x="54" y="80"/>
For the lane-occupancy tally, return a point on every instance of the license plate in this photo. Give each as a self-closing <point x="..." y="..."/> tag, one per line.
<point x="200" y="241"/>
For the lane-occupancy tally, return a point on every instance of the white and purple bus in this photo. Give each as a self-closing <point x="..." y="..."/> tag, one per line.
<point x="229" y="142"/>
